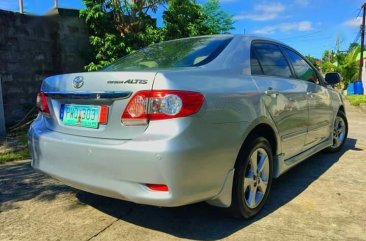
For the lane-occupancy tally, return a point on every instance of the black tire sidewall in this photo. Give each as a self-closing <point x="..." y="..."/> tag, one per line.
<point x="239" y="207"/>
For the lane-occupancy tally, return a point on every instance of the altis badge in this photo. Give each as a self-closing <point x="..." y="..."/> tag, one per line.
<point x="130" y="81"/>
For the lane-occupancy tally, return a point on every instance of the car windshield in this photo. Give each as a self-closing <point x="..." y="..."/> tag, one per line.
<point x="177" y="53"/>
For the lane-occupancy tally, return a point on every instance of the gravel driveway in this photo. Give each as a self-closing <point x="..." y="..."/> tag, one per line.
<point x="322" y="198"/>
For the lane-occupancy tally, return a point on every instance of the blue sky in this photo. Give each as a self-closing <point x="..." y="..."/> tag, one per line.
<point x="311" y="26"/>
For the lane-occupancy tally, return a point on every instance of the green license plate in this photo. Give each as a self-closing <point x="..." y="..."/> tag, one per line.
<point x="80" y="115"/>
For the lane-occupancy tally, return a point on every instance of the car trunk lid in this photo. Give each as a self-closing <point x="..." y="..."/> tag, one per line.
<point x="75" y="99"/>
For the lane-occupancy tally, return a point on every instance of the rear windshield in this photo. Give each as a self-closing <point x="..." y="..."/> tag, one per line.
<point x="177" y="53"/>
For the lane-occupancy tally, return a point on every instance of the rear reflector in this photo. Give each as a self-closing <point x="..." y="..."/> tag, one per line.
<point x="161" y="104"/>
<point x="158" y="187"/>
<point x="42" y="103"/>
<point x="103" y="116"/>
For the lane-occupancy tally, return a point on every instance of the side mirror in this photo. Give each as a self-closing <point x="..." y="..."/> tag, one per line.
<point x="333" y="78"/>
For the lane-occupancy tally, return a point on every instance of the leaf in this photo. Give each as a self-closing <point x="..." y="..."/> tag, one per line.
<point x="120" y="27"/>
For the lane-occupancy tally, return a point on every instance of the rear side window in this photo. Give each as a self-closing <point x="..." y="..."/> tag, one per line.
<point x="267" y="59"/>
<point x="256" y="67"/>
<point x="302" y="69"/>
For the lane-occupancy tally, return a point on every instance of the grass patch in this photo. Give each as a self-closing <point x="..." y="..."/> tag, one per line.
<point x="21" y="152"/>
<point x="14" y="156"/>
<point x="356" y="100"/>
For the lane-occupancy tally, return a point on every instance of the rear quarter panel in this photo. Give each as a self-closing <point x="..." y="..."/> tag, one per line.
<point x="231" y="109"/>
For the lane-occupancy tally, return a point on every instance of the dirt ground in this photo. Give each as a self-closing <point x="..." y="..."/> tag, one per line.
<point x="323" y="198"/>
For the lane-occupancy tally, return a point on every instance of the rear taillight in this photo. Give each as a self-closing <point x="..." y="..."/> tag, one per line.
<point x="158" y="187"/>
<point x="161" y="104"/>
<point x="42" y="103"/>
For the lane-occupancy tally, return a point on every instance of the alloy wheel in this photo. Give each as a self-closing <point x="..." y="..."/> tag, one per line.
<point x="256" y="178"/>
<point x="339" y="132"/>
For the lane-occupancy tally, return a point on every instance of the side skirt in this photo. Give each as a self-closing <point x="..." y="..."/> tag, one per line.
<point x="285" y="165"/>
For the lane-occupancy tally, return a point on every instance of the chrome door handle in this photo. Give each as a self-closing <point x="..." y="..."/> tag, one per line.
<point x="272" y="92"/>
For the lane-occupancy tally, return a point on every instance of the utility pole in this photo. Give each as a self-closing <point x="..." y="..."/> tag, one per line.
<point x="21" y="9"/>
<point x="56" y="3"/>
<point x="362" y="42"/>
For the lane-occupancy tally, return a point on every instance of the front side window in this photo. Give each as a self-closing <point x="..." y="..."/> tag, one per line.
<point x="187" y="52"/>
<point x="267" y="59"/>
<point x="302" y="69"/>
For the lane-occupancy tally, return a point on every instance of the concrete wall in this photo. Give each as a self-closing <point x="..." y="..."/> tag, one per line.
<point x="34" y="47"/>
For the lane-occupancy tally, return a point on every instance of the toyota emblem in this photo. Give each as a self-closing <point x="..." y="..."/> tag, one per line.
<point x="78" y="82"/>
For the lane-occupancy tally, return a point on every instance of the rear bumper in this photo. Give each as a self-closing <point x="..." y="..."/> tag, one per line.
<point x="193" y="169"/>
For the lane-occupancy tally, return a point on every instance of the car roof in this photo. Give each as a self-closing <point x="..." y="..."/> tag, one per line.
<point x="244" y="37"/>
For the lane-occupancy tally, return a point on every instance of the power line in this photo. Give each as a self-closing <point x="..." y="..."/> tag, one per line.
<point x="357" y="37"/>
<point x="358" y="34"/>
<point x="358" y="14"/>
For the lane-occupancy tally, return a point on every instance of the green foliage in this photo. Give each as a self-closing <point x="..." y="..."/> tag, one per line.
<point x="119" y="27"/>
<point x="183" y="18"/>
<point x="327" y="62"/>
<point x="14" y="156"/>
<point x="347" y="65"/>
<point x="98" y="19"/>
<point x="313" y="60"/>
<point x="343" y="63"/>
<point x="20" y="153"/>
<point x="186" y="18"/>
<point x="353" y="45"/>
<point x="217" y="20"/>
<point x="356" y="99"/>
<point x="327" y="66"/>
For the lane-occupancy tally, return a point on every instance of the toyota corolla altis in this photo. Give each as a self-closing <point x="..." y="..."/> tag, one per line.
<point x="212" y="118"/>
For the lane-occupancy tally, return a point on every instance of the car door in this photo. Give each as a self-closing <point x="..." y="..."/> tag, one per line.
<point x="320" y="108"/>
<point x="283" y="96"/>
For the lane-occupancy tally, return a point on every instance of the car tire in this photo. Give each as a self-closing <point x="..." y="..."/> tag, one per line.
<point x="249" y="181"/>
<point x="339" y="133"/>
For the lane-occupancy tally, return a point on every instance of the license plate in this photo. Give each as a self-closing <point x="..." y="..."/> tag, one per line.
<point x="80" y="115"/>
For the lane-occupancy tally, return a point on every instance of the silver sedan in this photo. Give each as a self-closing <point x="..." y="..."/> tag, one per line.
<point x="212" y="118"/>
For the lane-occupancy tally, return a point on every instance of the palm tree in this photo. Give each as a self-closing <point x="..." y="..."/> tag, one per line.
<point x="348" y="66"/>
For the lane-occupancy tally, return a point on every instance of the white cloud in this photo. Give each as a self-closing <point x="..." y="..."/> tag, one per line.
<point x="269" y="7"/>
<point x="354" y="22"/>
<point x="263" y="12"/>
<point x="286" y="27"/>
<point x="266" y="30"/>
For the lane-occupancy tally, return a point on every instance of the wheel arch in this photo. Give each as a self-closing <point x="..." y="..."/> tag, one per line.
<point x="260" y="127"/>
<point x="341" y="108"/>
<point x="268" y="131"/>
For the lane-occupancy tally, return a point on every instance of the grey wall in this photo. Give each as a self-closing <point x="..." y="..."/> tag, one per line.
<point x="34" y="47"/>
